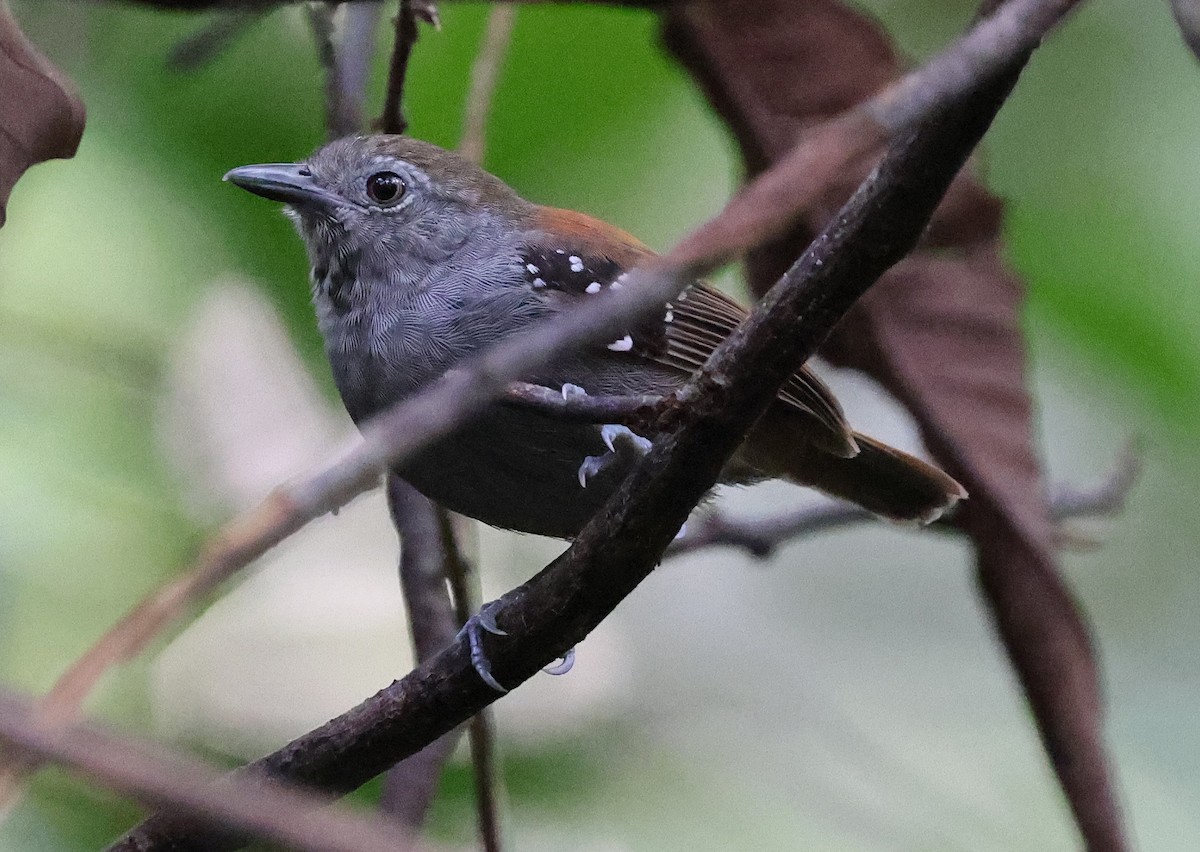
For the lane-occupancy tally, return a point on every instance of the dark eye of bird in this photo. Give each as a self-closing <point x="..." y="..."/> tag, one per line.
<point x="383" y="187"/>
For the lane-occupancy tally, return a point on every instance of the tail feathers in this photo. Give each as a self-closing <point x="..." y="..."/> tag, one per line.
<point x="879" y="478"/>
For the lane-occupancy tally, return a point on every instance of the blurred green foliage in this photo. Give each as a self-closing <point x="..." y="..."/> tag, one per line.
<point x="103" y="255"/>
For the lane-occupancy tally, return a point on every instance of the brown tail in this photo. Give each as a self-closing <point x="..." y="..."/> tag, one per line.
<point x="879" y="478"/>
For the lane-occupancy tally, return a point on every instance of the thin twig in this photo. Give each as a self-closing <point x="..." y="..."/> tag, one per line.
<point x="392" y="120"/>
<point x="631" y="410"/>
<point x="763" y="208"/>
<point x="254" y="805"/>
<point x="352" y="66"/>
<point x="411" y="785"/>
<point x="485" y="74"/>
<point x="320" y="21"/>
<point x="423" y="568"/>
<point x="620" y="546"/>
<point x="482" y="738"/>
<point x="760" y="537"/>
<point x="481" y="730"/>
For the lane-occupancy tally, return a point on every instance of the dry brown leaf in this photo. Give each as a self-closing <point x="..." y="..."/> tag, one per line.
<point x="940" y="331"/>
<point x="41" y="115"/>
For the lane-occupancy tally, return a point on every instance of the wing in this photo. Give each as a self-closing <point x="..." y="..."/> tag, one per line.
<point x="574" y="256"/>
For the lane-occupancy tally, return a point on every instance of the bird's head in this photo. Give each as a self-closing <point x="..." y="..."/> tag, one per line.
<point x="382" y="193"/>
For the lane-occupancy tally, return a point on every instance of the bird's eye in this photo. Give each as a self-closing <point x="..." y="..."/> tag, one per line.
<point x="384" y="187"/>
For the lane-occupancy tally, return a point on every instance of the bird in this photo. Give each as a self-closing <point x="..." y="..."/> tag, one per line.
<point x="420" y="259"/>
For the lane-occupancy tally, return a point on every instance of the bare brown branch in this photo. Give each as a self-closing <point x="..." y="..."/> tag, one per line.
<point x="392" y="119"/>
<point x="760" y="537"/>
<point x="251" y="804"/>
<point x="431" y="566"/>
<point x="354" y="54"/>
<point x="320" y="23"/>
<point x="485" y="74"/>
<point x="411" y="785"/>
<point x="481" y="730"/>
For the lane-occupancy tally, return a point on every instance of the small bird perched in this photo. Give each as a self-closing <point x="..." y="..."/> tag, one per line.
<point x="420" y="259"/>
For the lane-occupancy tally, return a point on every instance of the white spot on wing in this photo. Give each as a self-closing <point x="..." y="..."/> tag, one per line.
<point x="616" y="285"/>
<point x="622" y="345"/>
<point x="576" y="263"/>
<point x="533" y="270"/>
<point x="538" y="282"/>
<point x="592" y="288"/>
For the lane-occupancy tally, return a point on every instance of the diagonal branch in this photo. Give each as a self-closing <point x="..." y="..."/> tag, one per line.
<point x="259" y="806"/>
<point x="485" y="74"/>
<point x="760" y="537"/>
<point x="621" y="545"/>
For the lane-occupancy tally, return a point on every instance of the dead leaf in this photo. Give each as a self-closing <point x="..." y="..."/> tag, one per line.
<point x="41" y="115"/>
<point x="940" y="331"/>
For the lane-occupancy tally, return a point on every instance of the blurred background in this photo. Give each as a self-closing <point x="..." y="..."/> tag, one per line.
<point x="160" y="368"/>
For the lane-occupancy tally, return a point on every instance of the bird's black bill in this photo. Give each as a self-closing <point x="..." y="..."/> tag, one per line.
<point x="290" y="183"/>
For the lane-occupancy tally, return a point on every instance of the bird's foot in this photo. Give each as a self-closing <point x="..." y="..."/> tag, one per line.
<point x="621" y="442"/>
<point x="484" y="621"/>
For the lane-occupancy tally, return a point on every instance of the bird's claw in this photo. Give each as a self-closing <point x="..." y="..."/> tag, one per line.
<point x="482" y="622"/>
<point x="610" y="433"/>
<point x="591" y="466"/>
<point x="563" y="666"/>
<point x="619" y="439"/>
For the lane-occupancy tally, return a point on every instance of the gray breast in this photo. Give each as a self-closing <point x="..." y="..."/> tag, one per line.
<point x="391" y="329"/>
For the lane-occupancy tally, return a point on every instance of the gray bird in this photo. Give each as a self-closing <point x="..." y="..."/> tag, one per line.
<point x="420" y="259"/>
